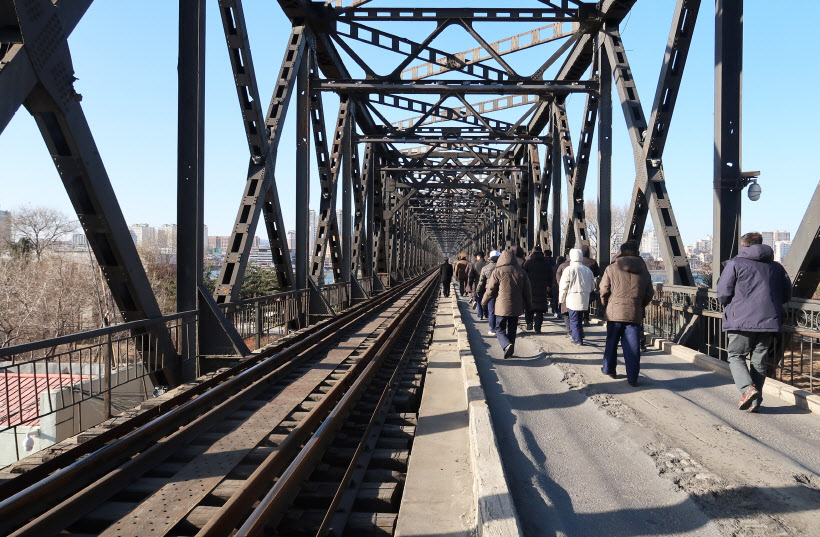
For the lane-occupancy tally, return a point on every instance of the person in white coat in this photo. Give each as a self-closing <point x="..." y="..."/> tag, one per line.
<point x="573" y="290"/>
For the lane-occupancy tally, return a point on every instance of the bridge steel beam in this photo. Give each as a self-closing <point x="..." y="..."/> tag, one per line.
<point x="803" y="259"/>
<point x="557" y="162"/>
<point x="649" y="194"/>
<point x="260" y="196"/>
<point x="329" y="164"/>
<point x="42" y="61"/>
<point x="728" y="180"/>
<point x="604" y="230"/>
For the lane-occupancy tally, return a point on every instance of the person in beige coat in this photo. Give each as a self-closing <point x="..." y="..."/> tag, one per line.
<point x="573" y="290"/>
<point x="626" y="290"/>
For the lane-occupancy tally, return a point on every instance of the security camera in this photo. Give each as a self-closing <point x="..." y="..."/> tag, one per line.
<point x="754" y="191"/>
<point x="750" y="179"/>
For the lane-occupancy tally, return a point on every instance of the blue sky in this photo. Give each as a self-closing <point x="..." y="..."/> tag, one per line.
<point x="125" y="59"/>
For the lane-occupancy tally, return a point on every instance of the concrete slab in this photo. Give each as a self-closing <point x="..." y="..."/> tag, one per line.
<point x="438" y="493"/>
<point x="585" y="454"/>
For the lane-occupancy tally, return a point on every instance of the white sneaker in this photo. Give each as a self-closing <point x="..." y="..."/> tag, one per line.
<point x="491" y="333"/>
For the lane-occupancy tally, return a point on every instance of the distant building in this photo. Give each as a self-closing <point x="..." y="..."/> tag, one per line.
<point x="261" y="256"/>
<point x="313" y="224"/>
<point x="339" y="220"/>
<point x="650" y="245"/>
<point x="781" y="248"/>
<point x="79" y="242"/>
<point x="292" y="239"/>
<point x="772" y="237"/>
<point x="144" y="234"/>
<point x="205" y="238"/>
<point x="218" y="242"/>
<point x="167" y="236"/>
<point x="704" y="246"/>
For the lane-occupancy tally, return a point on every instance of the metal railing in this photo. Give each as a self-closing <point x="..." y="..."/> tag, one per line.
<point x="694" y="317"/>
<point x="262" y="320"/>
<point x="74" y="382"/>
<point x="337" y="295"/>
<point x="367" y="285"/>
<point x="59" y="387"/>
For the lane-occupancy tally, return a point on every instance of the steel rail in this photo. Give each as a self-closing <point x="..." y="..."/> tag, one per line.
<point x="277" y="351"/>
<point x="341" y="506"/>
<point x="284" y="491"/>
<point x="66" y="484"/>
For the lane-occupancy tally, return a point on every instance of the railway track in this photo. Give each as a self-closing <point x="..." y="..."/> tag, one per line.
<point x="308" y="439"/>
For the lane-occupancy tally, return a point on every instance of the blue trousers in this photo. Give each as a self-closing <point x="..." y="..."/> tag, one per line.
<point x="576" y="325"/>
<point x="491" y="313"/>
<point x="629" y="335"/>
<point x="505" y="330"/>
<point x="483" y="311"/>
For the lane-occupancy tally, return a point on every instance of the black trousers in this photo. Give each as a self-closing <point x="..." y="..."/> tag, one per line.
<point x="445" y="288"/>
<point x="462" y="287"/>
<point x="537" y="316"/>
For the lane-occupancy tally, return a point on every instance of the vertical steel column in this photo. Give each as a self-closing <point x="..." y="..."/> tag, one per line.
<point x="347" y="194"/>
<point x="380" y="222"/>
<point x="604" y="158"/>
<point x="728" y="132"/>
<point x="557" y="173"/>
<point x="190" y="151"/>
<point x="302" y="171"/>
<point x="368" y="265"/>
<point x="190" y="166"/>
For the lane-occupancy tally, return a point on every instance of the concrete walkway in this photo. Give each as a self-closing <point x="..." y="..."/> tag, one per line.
<point x="438" y="493"/>
<point x="589" y="455"/>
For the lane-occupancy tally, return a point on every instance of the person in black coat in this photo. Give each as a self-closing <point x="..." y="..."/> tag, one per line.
<point x="472" y="281"/>
<point x="446" y="276"/>
<point x="539" y="268"/>
<point x="556" y="306"/>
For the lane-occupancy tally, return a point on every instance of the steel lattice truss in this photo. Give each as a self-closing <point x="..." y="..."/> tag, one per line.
<point x="440" y="145"/>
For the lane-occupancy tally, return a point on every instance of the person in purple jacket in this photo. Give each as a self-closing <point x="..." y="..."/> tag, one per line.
<point x="753" y="289"/>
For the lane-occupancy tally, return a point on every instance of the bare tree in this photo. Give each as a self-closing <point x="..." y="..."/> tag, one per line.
<point x="161" y="271"/>
<point x="618" y="222"/>
<point x="41" y="227"/>
<point x="45" y="298"/>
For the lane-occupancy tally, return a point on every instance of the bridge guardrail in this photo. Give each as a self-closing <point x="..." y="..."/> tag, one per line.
<point x="59" y="387"/>
<point x="56" y="388"/>
<point x="367" y="285"/>
<point x="262" y="320"/>
<point x="694" y="317"/>
<point x="337" y="295"/>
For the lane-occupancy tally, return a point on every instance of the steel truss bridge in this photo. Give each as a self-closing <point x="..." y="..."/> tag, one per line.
<point x="418" y="158"/>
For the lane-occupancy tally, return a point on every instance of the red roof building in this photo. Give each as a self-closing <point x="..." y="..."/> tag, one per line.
<point x="20" y="395"/>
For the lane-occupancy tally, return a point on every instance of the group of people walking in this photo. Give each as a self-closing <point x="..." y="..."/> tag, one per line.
<point x="506" y="285"/>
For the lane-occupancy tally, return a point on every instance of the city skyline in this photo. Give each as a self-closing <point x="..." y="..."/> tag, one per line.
<point x="698" y="252"/>
<point x="146" y="188"/>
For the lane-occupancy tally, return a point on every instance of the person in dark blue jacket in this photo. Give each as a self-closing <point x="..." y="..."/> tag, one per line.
<point x="753" y="289"/>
